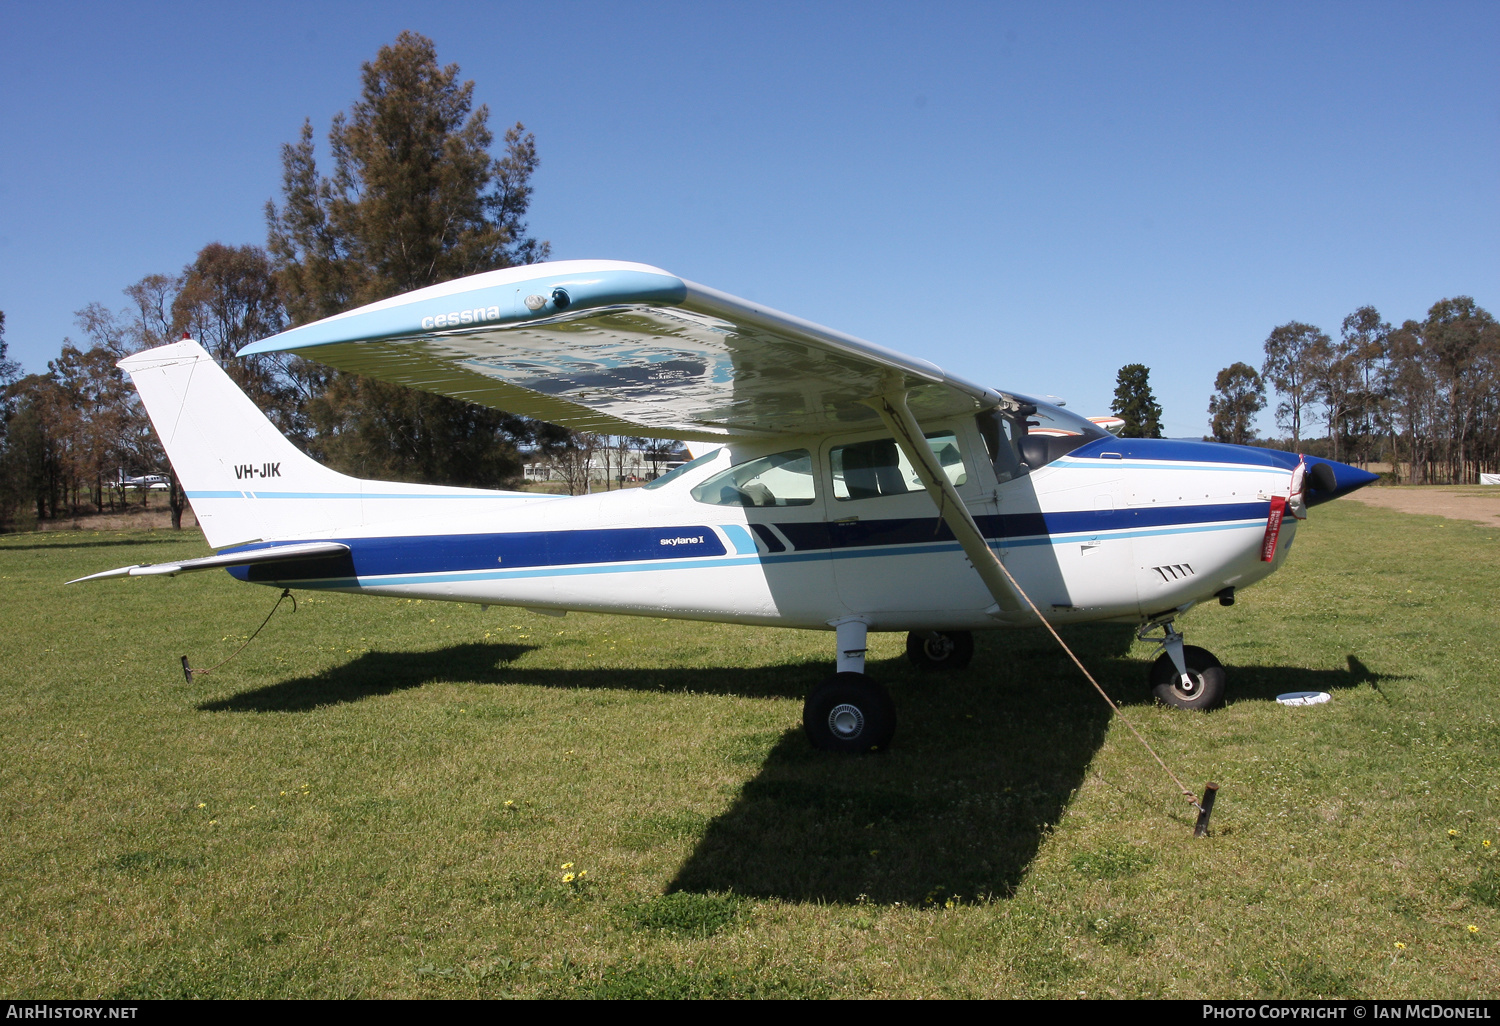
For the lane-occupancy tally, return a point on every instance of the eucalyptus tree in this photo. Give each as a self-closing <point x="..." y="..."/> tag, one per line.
<point x="1366" y="338"/>
<point x="1239" y="394"/>
<point x="1295" y="354"/>
<point x="1461" y="339"/>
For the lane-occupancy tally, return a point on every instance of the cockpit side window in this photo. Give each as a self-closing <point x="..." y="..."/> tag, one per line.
<point x="1000" y="442"/>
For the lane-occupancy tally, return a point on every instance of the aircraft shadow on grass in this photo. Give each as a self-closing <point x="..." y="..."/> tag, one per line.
<point x="376" y="673"/>
<point x="984" y="763"/>
<point x="111" y="543"/>
<point x="978" y="776"/>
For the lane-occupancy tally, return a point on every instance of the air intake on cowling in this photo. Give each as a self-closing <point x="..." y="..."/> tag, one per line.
<point x="1174" y="572"/>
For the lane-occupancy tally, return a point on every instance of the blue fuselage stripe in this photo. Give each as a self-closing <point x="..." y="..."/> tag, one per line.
<point x="498" y="556"/>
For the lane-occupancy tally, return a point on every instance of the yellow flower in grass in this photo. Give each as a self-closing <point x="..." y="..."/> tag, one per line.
<point x="1400" y="946"/>
<point x="567" y="878"/>
<point x="202" y="805"/>
<point x="1473" y="929"/>
<point x="566" y="865"/>
<point x="1486" y="844"/>
<point x="582" y="873"/>
<point x="1452" y="833"/>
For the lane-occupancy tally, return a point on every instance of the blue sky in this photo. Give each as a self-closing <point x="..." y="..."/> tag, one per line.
<point x="1028" y="195"/>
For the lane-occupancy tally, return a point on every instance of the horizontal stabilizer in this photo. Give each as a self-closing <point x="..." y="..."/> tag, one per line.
<point x="248" y="557"/>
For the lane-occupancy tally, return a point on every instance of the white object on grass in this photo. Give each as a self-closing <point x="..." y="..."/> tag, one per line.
<point x="1304" y="698"/>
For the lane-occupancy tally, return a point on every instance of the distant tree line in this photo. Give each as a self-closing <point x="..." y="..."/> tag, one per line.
<point x="1424" y="397"/>
<point x="414" y="198"/>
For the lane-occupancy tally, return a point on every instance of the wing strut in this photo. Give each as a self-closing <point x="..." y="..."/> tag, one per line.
<point x="898" y="418"/>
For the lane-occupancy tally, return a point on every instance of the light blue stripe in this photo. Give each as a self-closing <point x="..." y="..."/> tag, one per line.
<point x="740" y="537"/>
<point x="1098" y="464"/>
<point x="560" y="571"/>
<point x="498" y="305"/>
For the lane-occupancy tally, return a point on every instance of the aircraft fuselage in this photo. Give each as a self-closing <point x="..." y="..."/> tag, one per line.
<point x="1118" y="529"/>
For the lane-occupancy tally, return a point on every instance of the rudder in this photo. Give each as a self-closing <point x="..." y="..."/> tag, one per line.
<point x="225" y="452"/>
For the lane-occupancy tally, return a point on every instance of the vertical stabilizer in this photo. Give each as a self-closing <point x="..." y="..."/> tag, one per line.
<point x="246" y="481"/>
<point x="226" y="452"/>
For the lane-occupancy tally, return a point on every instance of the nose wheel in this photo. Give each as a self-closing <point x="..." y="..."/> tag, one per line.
<point x="1202" y="687"/>
<point x="1184" y="676"/>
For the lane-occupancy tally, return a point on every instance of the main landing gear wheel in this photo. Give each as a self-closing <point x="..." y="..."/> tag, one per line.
<point x="940" y="650"/>
<point x="1205" y="689"/>
<point x="849" y="712"/>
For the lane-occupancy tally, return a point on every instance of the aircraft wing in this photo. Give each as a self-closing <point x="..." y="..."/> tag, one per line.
<point x="244" y="557"/>
<point x="624" y="348"/>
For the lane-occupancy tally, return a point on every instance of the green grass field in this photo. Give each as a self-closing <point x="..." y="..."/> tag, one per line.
<point x="384" y="798"/>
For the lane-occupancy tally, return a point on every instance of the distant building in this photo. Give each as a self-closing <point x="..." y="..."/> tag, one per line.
<point x="614" y="468"/>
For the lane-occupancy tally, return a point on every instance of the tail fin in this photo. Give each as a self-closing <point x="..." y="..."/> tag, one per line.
<point x="246" y="482"/>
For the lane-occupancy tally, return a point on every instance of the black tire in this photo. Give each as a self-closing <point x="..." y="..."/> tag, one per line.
<point x="850" y="713"/>
<point x="1206" y="672"/>
<point x="940" y="650"/>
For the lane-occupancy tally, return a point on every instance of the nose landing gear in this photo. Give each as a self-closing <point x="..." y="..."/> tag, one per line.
<point x="1183" y="676"/>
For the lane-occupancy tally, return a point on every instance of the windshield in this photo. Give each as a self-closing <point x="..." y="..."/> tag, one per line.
<point x="1054" y="420"/>
<point x="1024" y="434"/>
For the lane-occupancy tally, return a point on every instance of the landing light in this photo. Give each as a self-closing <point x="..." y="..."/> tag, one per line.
<point x="560" y="299"/>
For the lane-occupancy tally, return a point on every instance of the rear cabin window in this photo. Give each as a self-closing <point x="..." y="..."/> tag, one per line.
<point x="867" y="470"/>
<point x="785" y="479"/>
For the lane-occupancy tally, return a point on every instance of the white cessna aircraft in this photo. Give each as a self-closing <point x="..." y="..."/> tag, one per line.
<point x="853" y="489"/>
<point x="149" y="482"/>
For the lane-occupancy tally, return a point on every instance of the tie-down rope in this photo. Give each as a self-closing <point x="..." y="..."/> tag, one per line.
<point x="190" y="673"/>
<point x="1077" y="662"/>
<point x="900" y="424"/>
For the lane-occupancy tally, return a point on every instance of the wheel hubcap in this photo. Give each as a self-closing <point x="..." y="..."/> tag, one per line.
<point x="938" y="649"/>
<point x="846" y="721"/>
<point x="1188" y="688"/>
